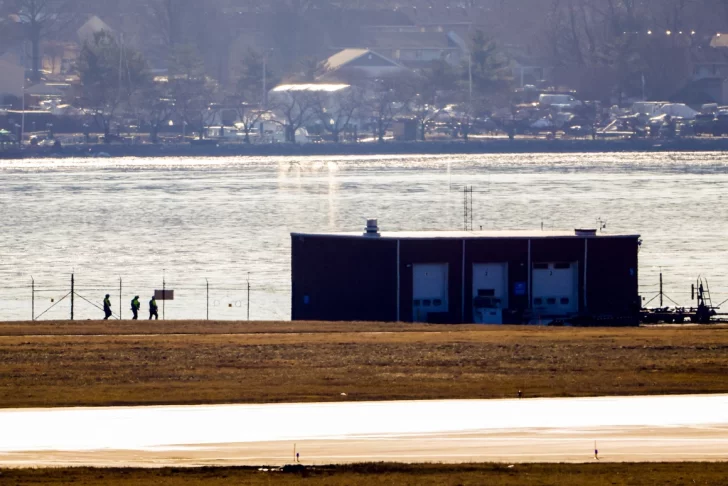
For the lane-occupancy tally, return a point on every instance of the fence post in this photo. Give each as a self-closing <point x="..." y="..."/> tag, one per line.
<point x="72" y="293"/>
<point x="32" y="299"/>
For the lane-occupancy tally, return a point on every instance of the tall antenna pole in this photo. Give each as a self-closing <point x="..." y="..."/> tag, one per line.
<point x="471" y="208"/>
<point x="660" y="289"/>
<point x="73" y="291"/>
<point x="465" y="208"/>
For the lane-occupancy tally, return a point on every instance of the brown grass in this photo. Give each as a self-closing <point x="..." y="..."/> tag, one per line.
<point x="292" y="362"/>
<point x="390" y="474"/>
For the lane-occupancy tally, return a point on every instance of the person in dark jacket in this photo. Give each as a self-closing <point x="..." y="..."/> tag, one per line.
<point x="107" y="307"/>
<point x="135" y="306"/>
<point x="153" y="309"/>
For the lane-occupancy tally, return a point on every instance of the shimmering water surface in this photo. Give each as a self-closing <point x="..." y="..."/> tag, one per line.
<point x="228" y="219"/>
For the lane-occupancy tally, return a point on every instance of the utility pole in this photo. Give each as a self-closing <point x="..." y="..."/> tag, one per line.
<point x="22" y="116"/>
<point x="660" y="289"/>
<point x="119" y="298"/>
<point x="73" y="291"/>
<point x="470" y="76"/>
<point x="248" y="296"/>
<point x="265" y="81"/>
<point x="32" y="299"/>
<point x="164" y="292"/>
<point x="207" y="306"/>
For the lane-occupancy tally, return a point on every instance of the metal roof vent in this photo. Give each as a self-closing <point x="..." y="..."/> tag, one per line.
<point x="372" y="228"/>
<point x="585" y="232"/>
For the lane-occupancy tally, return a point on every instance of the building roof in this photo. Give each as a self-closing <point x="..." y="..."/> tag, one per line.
<point x="93" y="26"/>
<point x="363" y="61"/>
<point x="347" y="56"/>
<point x="467" y="235"/>
<point x="310" y="87"/>
<point x="719" y="40"/>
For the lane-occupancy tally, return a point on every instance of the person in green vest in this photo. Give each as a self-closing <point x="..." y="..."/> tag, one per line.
<point x="107" y="307"/>
<point x="135" y="306"/>
<point x="153" y="309"/>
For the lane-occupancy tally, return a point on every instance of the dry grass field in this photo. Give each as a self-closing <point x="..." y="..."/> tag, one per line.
<point x="390" y="474"/>
<point x="97" y="363"/>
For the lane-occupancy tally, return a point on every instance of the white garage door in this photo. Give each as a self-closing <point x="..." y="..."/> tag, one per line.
<point x="429" y="289"/>
<point x="555" y="289"/>
<point x="490" y="292"/>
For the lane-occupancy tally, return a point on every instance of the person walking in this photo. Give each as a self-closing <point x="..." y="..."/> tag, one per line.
<point x="107" y="307"/>
<point x="153" y="309"/>
<point x="135" y="306"/>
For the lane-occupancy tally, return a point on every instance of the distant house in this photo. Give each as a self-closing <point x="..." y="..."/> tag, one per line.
<point x="708" y="81"/>
<point x="93" y="26"/>
<point x="408" y="36"/>
<point x="416" y="48"/>
<point x="359" y="63"/>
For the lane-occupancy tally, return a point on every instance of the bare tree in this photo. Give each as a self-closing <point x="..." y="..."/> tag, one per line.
<point x="385" y="99"/>
<point x="39" y="19"/>
<point x="110" y="75"/>
<point x="194" y="92"/>
<point x="246" y="99"/>
<point x="156" y="107"/>
<point x="335" y="110"/>
<point x="295" y="106"/>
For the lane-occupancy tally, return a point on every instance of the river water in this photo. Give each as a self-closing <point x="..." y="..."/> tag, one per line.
<point x="225" y="222"/>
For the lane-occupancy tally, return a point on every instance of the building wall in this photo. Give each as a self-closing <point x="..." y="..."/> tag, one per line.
<point x="339" y="278"/>
<point x="343" y="279"/>
<point x="612" y="276"/>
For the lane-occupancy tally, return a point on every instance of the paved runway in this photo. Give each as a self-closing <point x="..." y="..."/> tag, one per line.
<point x="670" y="428"/>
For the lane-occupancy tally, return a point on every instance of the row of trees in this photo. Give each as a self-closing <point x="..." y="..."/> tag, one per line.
<point x="115" y="81"/>
<point x="601" y="43"/>
<point x="627" y="48"/>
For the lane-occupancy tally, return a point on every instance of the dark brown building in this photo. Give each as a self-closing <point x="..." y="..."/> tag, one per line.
<point x="465" y="277"/>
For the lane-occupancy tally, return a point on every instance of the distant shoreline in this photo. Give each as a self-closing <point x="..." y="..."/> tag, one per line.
<point x="500" y="146"/>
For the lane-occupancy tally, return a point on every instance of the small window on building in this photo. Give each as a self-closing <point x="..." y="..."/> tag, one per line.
<point x="562" y="266"/>
<point x="541" y="266"/>
<point x="538" y="301"/>
<point x="426" y="303"/>
<point x="551" y="301"/>
<point x="437" y="302"/>
<point x="564" y="301"/>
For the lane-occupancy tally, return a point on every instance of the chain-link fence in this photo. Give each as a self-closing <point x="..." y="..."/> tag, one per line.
<point x="76" y="298"/>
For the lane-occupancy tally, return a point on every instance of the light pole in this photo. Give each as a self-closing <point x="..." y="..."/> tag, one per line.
<point x="470" y="76"/>
<point x="22" y="116"/>
<point x="266" y="52"/>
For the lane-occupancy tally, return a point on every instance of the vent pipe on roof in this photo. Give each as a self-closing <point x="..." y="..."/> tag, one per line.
<point x="585" y="232"/>
<point x="372" y="228"/>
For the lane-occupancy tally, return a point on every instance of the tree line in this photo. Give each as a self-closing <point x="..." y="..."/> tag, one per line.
<point x="115" y="82"/>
